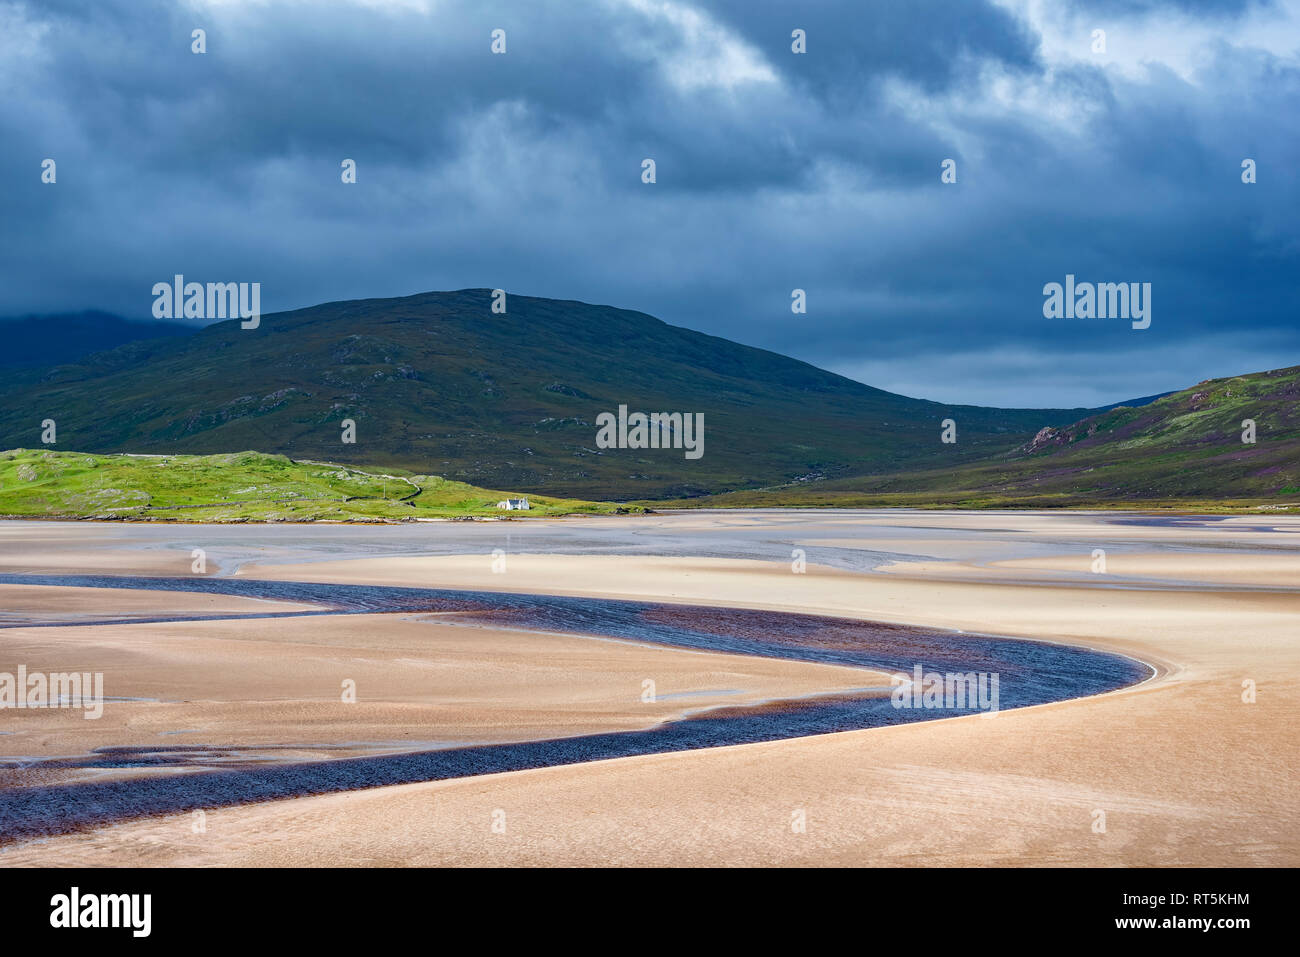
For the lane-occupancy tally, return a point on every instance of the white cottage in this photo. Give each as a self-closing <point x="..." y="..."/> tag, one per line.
<point x="514" y="504"/>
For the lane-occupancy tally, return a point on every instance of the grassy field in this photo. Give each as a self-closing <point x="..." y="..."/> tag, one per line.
<point x="243" y="487"/>
<point x="256" y="487"/>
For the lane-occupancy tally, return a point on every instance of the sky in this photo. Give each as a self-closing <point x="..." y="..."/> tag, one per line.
<point x="774" y="171"/>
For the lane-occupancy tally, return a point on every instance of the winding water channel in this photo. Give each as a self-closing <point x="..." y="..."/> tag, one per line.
<point x="1029" y="672"/>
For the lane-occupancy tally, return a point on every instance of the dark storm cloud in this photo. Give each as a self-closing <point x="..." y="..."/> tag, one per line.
<point x="775" y="171"/>
<point x="933" y="43"/>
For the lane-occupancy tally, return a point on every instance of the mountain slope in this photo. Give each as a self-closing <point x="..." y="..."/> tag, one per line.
<point x="437" y="383"/>
<point x="1189" y="443"/>
<point x="1185" y="446"/>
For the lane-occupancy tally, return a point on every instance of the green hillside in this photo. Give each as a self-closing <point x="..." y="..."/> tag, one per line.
<point x="1183" y="449"/>
<point x="437" y="383"/>
<point x="241" y="487"/>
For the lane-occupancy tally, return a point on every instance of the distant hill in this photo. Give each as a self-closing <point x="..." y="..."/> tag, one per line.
<point x="31" y="341"/>
<point x="438" y="384"/>
<point x="1188" y="443"/>
<point x="1185" y="446"/>
<point x="1135" y="403"/>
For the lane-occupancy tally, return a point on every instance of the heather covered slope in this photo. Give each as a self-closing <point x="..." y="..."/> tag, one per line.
<point x="1185" y="448"/>
<point x="438" y="384"/>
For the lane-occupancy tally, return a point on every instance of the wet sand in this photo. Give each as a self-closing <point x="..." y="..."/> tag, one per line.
<point x="1182" y="769"/>
<point x="1265" y="571"/>
<point x="25" y="604"/>
<point x="274" y="690"/>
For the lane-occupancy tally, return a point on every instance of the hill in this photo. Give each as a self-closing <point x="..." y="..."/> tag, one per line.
<point x="240" y="487"/>
<point x="1185" y="448"/>
<point x="439" y="384"/>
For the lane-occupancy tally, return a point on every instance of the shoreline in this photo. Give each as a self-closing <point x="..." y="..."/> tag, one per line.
<point x="642" y="508"/>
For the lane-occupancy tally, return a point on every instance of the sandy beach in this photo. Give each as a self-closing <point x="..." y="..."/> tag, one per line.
<point x="274" y="689"/>
<point x="1178" y="770"/>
